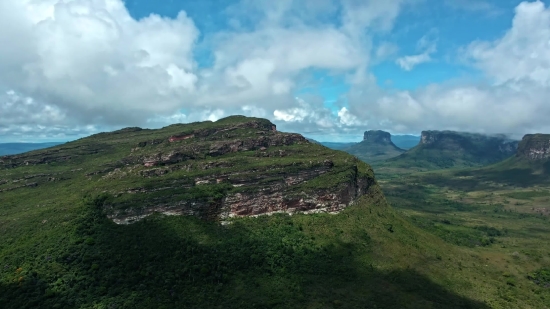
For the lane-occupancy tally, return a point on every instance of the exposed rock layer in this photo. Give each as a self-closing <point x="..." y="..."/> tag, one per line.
<point x="233" y="167"/>
<point x="534" y="147"/>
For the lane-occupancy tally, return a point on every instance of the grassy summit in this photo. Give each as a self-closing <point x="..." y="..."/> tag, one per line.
<point x="194" y="169"/>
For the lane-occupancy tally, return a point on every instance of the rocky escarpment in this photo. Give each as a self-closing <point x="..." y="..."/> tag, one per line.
<point x="376" y="146"/>
<point x="251" y="194"/>
<point x="534" y="147"/>
<point x="378" y="137"/>
<point x="233" y="167"/>
<point x="471" y="142"/>
<point x="446" y="149"/>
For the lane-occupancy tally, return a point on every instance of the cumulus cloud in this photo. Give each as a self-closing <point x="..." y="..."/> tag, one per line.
<point x="428" y="44"/>
<point x="79" y="66"/>
<point x="514" y="100"/>
<point x="90" y="62"/>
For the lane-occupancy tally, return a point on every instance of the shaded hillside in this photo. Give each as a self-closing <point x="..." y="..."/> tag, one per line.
<point x="61" y="246"/>
<point x="16" y="148"/>
<point x="446" y="149"/>
<point x="376" y="146"/>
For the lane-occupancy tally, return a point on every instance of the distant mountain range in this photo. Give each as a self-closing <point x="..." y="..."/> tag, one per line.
<point x="16" y="148"/>
<point x="446" y="149"/>
<point x="401" y="141"/>
<point x="530" y="165"/>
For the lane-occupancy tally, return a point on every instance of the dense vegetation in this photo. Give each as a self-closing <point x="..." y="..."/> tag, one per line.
<point x="364" y="257"/>
<point x="499" y="213"/>
<point x="440" y="249"/>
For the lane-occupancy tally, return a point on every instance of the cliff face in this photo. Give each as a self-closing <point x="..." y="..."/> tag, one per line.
<point x="534" y="147"/>
<point x="377" y="136"/>
<point x="272" y="196"/>
<point x="470" y="142"/>
<point x="446" y="149"/>
<point x="234" y="167"/>
<point x="376" y="146"/>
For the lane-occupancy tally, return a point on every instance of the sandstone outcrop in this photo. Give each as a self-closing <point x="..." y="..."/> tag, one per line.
<point x="534" y="147"/>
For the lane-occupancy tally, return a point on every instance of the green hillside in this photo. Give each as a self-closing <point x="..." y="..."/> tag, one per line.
<point x="61" y="247"/>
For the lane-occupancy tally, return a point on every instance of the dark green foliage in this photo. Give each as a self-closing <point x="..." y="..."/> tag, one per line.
<point x="276" y="262"/>
<point x="541" y="277"/>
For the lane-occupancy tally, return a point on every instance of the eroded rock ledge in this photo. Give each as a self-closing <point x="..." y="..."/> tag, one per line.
<point x="273" y="197"/>
<point x="534" y="147"/>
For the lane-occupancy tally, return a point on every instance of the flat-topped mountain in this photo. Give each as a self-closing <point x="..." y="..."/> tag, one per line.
<point x="445" y="149"/>
<point x="530" y="165"/>
<point x="233" y="167"/>
<point x="377" y="137"/>
<point x="376" y="146"/>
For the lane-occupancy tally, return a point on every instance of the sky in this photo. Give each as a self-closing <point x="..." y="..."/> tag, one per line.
<point x="328" y="69"/>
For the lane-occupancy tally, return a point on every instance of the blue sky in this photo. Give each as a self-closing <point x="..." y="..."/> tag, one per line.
<point x="329" y="69"/>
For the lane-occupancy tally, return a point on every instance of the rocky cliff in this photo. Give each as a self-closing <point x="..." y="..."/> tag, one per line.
<point x="376" y="146"/>
<point x="445" y="149"/>
<point x="534" y="147"/>
<point x="471" y="142"/>
<point x="377" y="136"/>
<point x="234" y="167"/>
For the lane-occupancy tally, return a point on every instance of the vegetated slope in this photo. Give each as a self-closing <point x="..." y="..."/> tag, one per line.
<point x="376" y="146"/>
<point x="236" y="166"/>
<point x="504" y="223"/>
<point x="446" y="149"/>
<point x="16" y="148"/>
<point x="61" y="249"/>
<point x="405" y="141"/>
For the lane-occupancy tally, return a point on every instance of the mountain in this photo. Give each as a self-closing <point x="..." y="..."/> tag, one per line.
<point x="376" y="146"/>
<point x="528" y="167"/>
<point x="15" y="148"/>
<point x="446" y="149"/>
<point x="208" y="204"/>
<point x="210" y="170"/>
<point x="405" y="141"/>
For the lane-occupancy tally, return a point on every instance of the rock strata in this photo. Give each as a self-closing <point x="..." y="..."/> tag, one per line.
<point x="534" y="147"/>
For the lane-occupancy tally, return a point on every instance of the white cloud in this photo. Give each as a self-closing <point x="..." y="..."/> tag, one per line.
<point x="85" y="65"/>
<point x="347" y="118"/>
<point x="522" y="53"/>
<point x="514" y="101"/>
<point x="428" y="44"/>
<point x="407" y="63"/>
<point x="92" y="63"/>
<point x="90" y="57"/>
